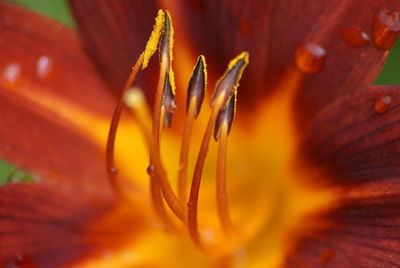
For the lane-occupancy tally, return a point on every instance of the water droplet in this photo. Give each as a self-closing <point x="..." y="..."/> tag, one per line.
<point x="21" y="261"/>
<point x="355" y="37"/>
<point x="12" y="75"/>
<point x="386" y="29"/>
<point x="382" y="103"/>
<point x="150" y="170"/>
<point x="326" y="256"/>
<point x="244" y="27"/>
<point x="310" y="57"/>
<point x="114" y="170"/>
<point x="45" y="67"/>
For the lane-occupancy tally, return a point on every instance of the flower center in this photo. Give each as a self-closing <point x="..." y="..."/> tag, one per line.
<point x="179" y="212"/>
<point x="223" y="102"/>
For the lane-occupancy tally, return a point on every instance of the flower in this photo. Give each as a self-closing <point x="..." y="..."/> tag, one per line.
<point x="312" y="156"/>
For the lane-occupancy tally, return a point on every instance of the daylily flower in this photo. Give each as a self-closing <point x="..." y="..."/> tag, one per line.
<point x="312" y="156"/>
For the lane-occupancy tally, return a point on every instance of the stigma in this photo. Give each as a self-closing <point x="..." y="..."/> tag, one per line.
<point x="177" y="207"/>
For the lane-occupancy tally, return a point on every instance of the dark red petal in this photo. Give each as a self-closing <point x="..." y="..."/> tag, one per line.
<point x="357" y="233"/>
<point x="272" y="30"/>
<point x="356" y="141"/>
<point x="49" y="58"/>
<point x="114" y="33"/>
<point x="48" y="225"/>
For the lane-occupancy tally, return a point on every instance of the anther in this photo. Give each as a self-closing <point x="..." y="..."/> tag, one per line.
<point x="197" y="85"/>
<point x="195" y="96"/>
<point x="229" y="81"/>
<point x="168" y="102"/>
<point x="225" y="116"/>
<point x="167" y="40"/>
<point x="153" y="42"/>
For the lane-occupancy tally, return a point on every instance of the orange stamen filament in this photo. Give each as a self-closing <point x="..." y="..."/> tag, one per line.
<point x="184" y="155"/>
<point x="222" y="200"/>
<point x="195" y="187"/>
<point x="111" y="169"/>
<point x="159" y="208"/>
<point x="155" y="155"/>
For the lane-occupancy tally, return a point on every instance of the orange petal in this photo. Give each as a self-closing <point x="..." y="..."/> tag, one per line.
<point x="357" y="233"/>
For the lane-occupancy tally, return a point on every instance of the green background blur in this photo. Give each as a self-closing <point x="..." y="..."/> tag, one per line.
<point x="59" y="10"/>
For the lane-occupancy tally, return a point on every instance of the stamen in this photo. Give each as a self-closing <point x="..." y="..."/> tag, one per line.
<point x="195" y="187"/>
<point x="225" y="88"/>
<point x="195" y="97"/>
<point x="221" y="132"/>
<point x="111" y="169"/>
<point x="143" y="60"/>
<point x="157" y="200"/>
<point x="155" y="157"/>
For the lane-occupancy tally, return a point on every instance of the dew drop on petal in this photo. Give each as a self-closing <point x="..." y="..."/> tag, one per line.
<point x="382" y="103"/>
<point x="355" y="37"/>
<point x="150" y="170"/>
<point x="310" y="57"/>
<point x="12" y="75"/>
<point x="114" y="170"/>
<point x="386" y="29"/>
<point x="22" y="261"/>
<point x="45" y="67"/>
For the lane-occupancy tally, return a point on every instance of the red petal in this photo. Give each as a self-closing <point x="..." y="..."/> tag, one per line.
<point x="114" y="34"/>
<point x="356" y="141"/>
<point x="49" y="58"/>
<point x="54" y="225"/>
<point x="32" y="136"/>
<point x="271" y="31"/>
<point x="58" y="220"/>
<point x="360" y="233"/>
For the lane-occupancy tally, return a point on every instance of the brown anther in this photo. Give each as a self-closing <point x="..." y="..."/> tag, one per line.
<point x="229" y="81"/>
<point x="225" y="116"/>
<point x="166" y="40"/>
<point x="168" y="102"/>
<point x="197" y="85"/>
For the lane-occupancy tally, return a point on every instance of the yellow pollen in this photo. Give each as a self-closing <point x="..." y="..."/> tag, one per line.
<point x="152" y="43"/>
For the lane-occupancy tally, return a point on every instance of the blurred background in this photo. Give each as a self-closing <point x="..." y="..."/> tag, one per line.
<point x="58" y="9"/>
